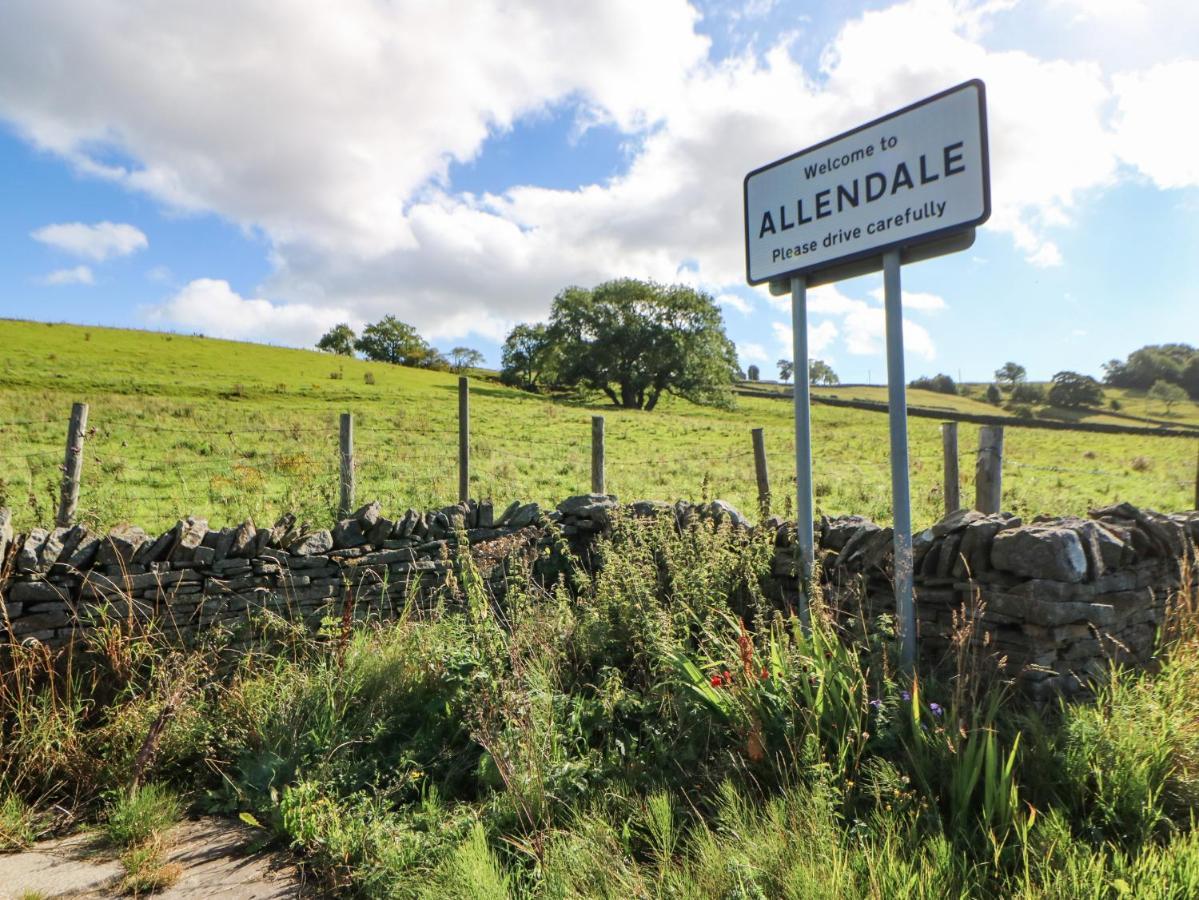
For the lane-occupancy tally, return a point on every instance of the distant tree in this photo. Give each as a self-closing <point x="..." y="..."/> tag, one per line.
<point x="390" y="340"/>
<point x="754" y="373"/>
<point x="1009" y="375"/>
<point x="1027" y="393"/>
<point x="820" y="372"/>
<point x="940" y="383"/>
<point x="994" y="396"/>
<point x="1190" y="377"/>
<point x="1152" y="363"/>
<point x="786" y="370"/>
<point x="339" y="339"/>
<point x="1167" y="394"/>
<point x="434" y="359"/>
<point x="637" y="340"/>
<point x="527" y="359"/>
<point x="1073" y="389"/>
<point x="463" y="358"/>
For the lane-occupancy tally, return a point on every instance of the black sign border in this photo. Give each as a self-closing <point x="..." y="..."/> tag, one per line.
<point x="882" y="248"/>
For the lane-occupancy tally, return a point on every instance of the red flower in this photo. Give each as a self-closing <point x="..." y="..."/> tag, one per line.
<point x="728" y="678"/>
<point x="765" y="673"/>
<point x="715" y="681"/>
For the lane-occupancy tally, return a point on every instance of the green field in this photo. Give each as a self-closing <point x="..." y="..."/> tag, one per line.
<point x="223" y="429"/>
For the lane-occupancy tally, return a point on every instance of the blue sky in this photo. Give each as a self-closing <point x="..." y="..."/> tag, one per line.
<point x="260" y="173"/>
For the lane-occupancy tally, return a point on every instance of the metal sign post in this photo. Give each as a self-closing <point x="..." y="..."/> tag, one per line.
<point x="901" y="497"/>
<point x="908" y="186"/>
<point x="804" y="513"/>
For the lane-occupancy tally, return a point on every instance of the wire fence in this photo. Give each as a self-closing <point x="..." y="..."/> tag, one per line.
<point x="234" y="468"/>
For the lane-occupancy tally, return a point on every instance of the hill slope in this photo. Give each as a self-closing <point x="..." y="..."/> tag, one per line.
<point x="224" y="429"/>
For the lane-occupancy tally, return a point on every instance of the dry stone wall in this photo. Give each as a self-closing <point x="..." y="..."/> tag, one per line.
<point x="1053" y="599"/>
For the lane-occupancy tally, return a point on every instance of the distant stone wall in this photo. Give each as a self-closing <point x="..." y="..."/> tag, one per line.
<point x="1055" y="598"/>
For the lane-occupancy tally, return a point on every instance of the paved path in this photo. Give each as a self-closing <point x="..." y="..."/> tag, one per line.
<point x="214" y="854"/>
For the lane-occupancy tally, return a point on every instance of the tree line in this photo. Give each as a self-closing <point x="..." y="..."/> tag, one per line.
<point x="391" y="341"/>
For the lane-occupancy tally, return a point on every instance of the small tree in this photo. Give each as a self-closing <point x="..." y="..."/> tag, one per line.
<point x="994" y="397"/>
<point x="527" y="359"/>
<point x="786" y="369"/>
<point x="1028" y="393"/>
<point x="339" y="339"/>
<point x="820" y="372"/>
<point x="1010" y="374"/>
<point x="390" y="340"/>
<point x="1167" y="394"/>
<point x="754" y="373"/>
<point x="939" y="383"/>
<point x="463" y="358"/>
<point x="1074" y="389"/>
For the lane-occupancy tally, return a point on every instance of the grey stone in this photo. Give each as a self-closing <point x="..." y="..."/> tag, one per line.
<point x="283" y="532"/>
<point x="368" y="515"/>
<point x="28" y="624"/>
<point x="508" y="512"/>
<point x="348" y="533"/>
<point x="525" y="515"/>
<point x="32" y="592"/>
<point x="85" y="551"/>
<point x="56" y="543"/>
<point x="485" y="515"/>
<point x="119" y="546"/>
<point x="312" y="544"/>
<point x="191" y="534"/>
<point x="6" y="533"/>
<point x="1040" y="551"/>
<point x="955" y="521"/>
<point x="203" y="556"/>
<point x="722" y="511"/>
<point x="587" y="506"/>
<point x="407" y="522"/>
<point x="156" y="551"/>
<point x="29" y="557"/>
<point x="223" y="543"/>
<point x="649" y="509"/>
<point x="379" y="532"/>
<point x="244" y="539"/>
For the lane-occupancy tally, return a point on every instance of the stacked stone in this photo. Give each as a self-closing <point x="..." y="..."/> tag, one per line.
<point x="1055" y="600"/>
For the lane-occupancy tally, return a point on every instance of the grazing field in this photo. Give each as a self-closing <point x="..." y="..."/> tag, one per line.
<point x="227" y="430"/>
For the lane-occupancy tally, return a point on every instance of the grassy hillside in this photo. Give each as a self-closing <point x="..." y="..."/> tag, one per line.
<point x="225" y="429"/>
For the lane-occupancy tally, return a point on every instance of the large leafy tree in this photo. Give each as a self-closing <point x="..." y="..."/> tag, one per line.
<point x="527" y="357"/>
<point x="636" y="340"/>
<point x="339" y="339"/>
<point x="1010" y="374"/>
<point x="393" y="341"/>
<point x="1153" y="363"/>
<point x="1073" y="389"/>
<point x="820" y="372"/>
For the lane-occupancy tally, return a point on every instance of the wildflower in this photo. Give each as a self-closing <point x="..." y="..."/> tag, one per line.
<point x="936" y="709"/>
<point x="905" y="696"/>
<point x="728" y="677"/>
<point x="765" y="673"/>
<point x="715" y="680"/>
<point x="876" y="703"/>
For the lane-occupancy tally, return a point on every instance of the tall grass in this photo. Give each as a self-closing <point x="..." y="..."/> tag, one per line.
<point x="660" y="727"/>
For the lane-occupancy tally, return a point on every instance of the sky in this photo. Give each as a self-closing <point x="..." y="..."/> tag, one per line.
<point x="261" y="171"/>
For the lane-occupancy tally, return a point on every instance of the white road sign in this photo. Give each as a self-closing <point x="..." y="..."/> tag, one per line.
<point x="916" y="175"/>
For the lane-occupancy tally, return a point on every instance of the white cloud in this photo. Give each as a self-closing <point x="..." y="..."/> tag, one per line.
<point x="211" y="307"/>
<point x="1156" y="129"/>
<point x="98" y="242"/>
<point x="343" y="161"/>
<point x="77" y="275"/>
<point x="752" y="353"/>
<point x="820" y="336"/>
<point x="865" y="334"/>
<point x="737" y="302"/>
<point x="914" y="300"/>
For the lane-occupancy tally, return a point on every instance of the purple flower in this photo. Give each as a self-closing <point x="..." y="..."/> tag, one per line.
<point x="936" y="710"/>
<point x="905" y="696"/>
<point x="876" y="703"/>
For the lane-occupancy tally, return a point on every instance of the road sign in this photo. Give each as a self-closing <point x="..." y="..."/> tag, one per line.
<point x="908" y="186"/>
<point x="918" y="176"/>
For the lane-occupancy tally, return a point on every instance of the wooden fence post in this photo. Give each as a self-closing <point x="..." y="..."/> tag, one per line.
<point x="72" y="466"/>
<point x="763" y="476"/>
<point x="597" y="455"/>
<point x="988" y="472"/>
<point x="949" y="447"/>
<point x="346" y="467"/>
<point x="463" y="439"/>
<point x="1197" y="481"/>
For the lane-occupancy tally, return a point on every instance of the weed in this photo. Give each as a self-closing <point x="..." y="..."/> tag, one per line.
<point x="137" y="817"/>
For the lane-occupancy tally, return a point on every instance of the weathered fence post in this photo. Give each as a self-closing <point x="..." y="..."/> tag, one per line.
<point x="346" y="468"/>
<point x="72" y="466"/>
<point x="463" y="439"/>
<point x="988" y="472"/>
<point x="949" y="447"/>
<point x="763" y="476"/>
<point x="597" y="455"/>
